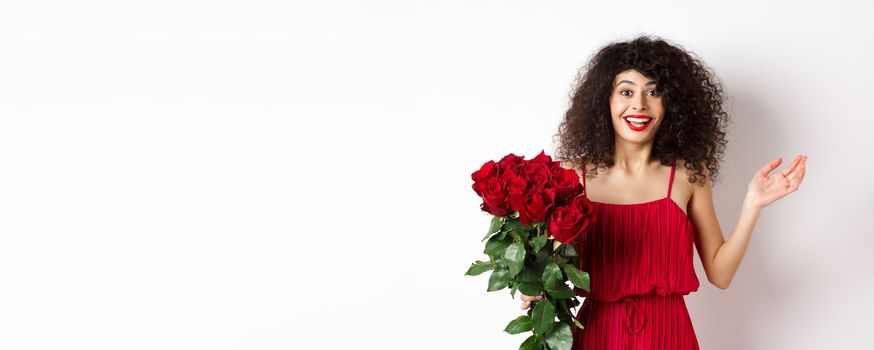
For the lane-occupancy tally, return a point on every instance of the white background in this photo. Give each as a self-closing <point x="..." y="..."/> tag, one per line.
<point x="253" y="175"/>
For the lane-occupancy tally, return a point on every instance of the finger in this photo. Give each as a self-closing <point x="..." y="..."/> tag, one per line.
<point x="770" y="166"/>
<point x="799" y="178"/>
<point x="795" y="181"/>
<point x="791" y="168"/>
<point x="794" y="174"/>
<point x="529" y="298"/>
<point x="802" y="163"/>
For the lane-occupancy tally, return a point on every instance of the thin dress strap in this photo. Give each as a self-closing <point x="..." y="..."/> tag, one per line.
<point x="671" y="181"/>
<point x="584" y="178"/>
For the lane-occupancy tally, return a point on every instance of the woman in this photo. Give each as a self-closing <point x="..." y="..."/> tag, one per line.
<point x="644" y="113"/>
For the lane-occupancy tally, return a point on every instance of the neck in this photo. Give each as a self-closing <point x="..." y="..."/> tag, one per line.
<point x="632" y="158"/>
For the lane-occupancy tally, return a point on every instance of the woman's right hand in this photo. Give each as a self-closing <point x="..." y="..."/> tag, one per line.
<point x="527" y="300"/>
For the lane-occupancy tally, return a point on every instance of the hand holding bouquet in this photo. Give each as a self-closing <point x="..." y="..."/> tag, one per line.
<point x="538" y="213"/>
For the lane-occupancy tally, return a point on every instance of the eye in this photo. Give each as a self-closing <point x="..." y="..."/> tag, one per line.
<point x="655" y="93"/>
<point x="622" y="91"/>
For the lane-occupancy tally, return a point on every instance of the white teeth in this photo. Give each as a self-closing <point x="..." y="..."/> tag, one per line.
<point x="638" y="120"/>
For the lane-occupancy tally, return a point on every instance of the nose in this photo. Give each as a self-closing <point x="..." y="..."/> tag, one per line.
<point x="639" y="104"/>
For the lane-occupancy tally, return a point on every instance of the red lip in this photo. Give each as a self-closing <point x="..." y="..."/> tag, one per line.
<point x="636" y="128"/>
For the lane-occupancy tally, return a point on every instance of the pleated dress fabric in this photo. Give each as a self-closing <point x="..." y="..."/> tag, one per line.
<point x="639" y="259"/>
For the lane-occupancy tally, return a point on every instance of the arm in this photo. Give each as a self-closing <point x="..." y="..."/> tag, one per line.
<point x="721" y="258"/>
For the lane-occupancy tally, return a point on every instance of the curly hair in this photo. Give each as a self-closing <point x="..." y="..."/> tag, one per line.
<point x="694" y="120"/>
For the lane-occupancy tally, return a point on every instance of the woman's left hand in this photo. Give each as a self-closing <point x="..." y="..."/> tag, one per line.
<point x="764" y="189"/>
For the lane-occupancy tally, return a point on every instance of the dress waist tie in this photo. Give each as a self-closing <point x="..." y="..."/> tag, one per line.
<point x="634" y="320"/>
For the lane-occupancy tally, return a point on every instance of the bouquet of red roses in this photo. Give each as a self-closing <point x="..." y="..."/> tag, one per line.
<point x="538" y="213"/>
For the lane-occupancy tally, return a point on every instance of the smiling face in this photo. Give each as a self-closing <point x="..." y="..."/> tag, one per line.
<point x="635" y="96"/>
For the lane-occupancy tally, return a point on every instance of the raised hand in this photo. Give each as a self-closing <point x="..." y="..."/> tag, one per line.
<point x="765" y="188"/>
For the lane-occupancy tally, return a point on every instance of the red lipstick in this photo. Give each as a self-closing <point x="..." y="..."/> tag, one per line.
<point x="636" y="126"/>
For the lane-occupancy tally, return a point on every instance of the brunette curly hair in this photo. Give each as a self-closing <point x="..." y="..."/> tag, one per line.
<point x="694" y="121"/>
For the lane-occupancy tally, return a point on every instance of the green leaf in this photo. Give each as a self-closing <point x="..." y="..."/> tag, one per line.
<point x="534" y="265"/>
<point x="530" y="288"/>
<point x="541" y="259"/>
<point x="499" y="279"/>
<point x="495" y="226"/>
<point x="559" y="337"/>
<point x="520" y="324"/>
<point x="560" y="291"/>
<point x="515" y="234"/>
<point x="529" y="275"/>
<point x="527" y="227"/>
<point x="563" y="317"/>
<point x="515" y="230"/>
<point x="562" y="311"/>
<point x="543" y="316"/>
<point x="523" y="235"/>
<point x="532" y="343"/>
<point x="577" y="277"/>
<point x="495" y="246"/>
<point x="513" y="292"/>
<point x="552" y="275"/>
<point x="514" y="255"/>
<point x="568" y="250"/>
<point x="574" y="302"/>
<point x="501" y="235"/>
<point x="566" y="312"/>
<point x="538" y="243"/>
<point x="499" y="261"/>
<point x="563" y="304"/>
<point x="513" y="225"/>
<point x="579" y="325"/>
<point x="479" y="267"/>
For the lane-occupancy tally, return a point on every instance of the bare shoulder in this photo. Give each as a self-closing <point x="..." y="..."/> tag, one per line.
<point x="685" y="170"/>
<point x="567" y="164"/>
<point x="570" y="164"/>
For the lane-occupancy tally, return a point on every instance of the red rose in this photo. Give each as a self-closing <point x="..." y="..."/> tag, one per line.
<point x="518" y="185"/>
<point x="511" y="162"/>
<point x="492" y="189"/>
<point x="534" y="205"/>
<point x="495" y="198"/>
<point x="488" y="170"/>
<point x="566" y="184"/>
<point x="538" y="175"/>
<point x="570" y="221"/>
<point x="541" y="158"/>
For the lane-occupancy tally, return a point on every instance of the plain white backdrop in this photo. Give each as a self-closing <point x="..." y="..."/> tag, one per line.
<point x="274" y="175"/>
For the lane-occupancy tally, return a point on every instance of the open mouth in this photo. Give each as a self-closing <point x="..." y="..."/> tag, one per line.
<point x="637" y="122"/>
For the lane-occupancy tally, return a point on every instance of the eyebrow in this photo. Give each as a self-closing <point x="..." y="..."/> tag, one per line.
<point x="651" y="82"/>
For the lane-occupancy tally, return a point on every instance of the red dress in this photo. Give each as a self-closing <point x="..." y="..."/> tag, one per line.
<point x="639" y="259"/>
